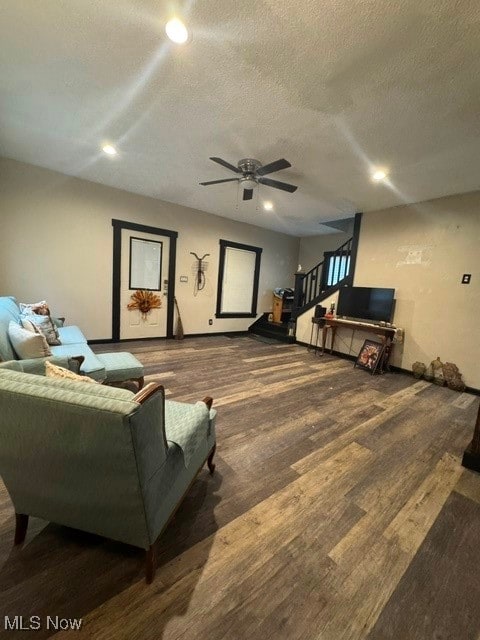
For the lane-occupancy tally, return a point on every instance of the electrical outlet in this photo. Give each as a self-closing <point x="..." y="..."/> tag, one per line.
<point x="466" y="278"/>
<point x="210" y="322"/>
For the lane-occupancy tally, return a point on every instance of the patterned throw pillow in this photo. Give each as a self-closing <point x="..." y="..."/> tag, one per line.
<point x="54" y="371"/>
<point x="44" y="324"/>
<point x="27" y="344"/>
<point x="40" y="308"/>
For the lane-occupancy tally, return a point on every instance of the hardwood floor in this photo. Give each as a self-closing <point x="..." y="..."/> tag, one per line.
<point x="338" y="510"/>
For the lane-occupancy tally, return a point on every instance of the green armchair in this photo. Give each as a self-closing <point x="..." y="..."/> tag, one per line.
<point x="99" y="458"/>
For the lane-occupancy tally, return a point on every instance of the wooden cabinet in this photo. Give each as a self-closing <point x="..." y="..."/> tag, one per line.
<point x="277" y="309"/>
<point x="282" y="308"/>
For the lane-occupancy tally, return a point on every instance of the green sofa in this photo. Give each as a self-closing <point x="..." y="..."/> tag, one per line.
<point x="106" y="367"/>
<point x="99" y="458"/>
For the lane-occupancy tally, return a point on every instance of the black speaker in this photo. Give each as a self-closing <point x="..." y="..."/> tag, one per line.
<point x="320" y="311"/>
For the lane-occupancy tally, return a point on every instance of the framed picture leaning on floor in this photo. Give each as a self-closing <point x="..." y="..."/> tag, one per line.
<point x="371" y="356"/>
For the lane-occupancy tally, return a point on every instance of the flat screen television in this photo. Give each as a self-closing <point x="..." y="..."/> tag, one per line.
<point x="366" y="303"/>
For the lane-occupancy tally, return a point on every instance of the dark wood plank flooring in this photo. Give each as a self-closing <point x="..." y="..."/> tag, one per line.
<point x="339" y="510"/>
<point x="440" y="587"/>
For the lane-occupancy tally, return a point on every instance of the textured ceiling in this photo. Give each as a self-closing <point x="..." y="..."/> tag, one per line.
<point x="336" y="87"/>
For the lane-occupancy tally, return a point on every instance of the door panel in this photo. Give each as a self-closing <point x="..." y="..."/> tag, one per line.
<point x="133" y="325"/>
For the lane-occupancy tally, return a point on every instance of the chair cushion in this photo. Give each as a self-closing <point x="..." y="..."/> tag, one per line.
<point x="187" y="425"/>
<point x="71" y="335"/>
<point x="121" y="366"/>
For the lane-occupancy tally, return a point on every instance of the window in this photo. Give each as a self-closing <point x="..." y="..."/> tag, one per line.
<point x="336" y="268"/>
<point x="238" y="275"/>
<point x="145" y="264"/>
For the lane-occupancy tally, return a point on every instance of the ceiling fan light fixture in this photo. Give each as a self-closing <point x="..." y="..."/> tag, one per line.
<point x="176" y="31"/>
<point x="248" y="182"/>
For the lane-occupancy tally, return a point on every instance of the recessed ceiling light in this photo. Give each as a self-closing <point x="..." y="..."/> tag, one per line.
<point x="176" y="31"/>
<point x="268" y="205"/>
<point x="109" y="149"/>
<point x="379" y="175"/>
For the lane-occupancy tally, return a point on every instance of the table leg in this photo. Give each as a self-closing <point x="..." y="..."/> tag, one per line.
<point x="309" y="348"/>
<point x="324" y="337"/>
<point x="334" y="331"/>
<point x="389" y="352"/>
<point x="316" y="339"/>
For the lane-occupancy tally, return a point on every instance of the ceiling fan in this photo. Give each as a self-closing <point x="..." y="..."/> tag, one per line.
<point x="251" y="174"/>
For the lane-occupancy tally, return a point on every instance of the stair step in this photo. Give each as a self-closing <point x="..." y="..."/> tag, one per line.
<point x="281" y="336"/>
<point x="273" y="326"/>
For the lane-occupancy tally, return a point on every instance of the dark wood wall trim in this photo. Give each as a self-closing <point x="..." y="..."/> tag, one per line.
<point x="118" y="225"/>
<point x="224" y="244"/>
<point x="227" y="334"/>
<point x="133" y="226"/>
<point x="116" y="280"/>
<point x="354" y="251"/>
<point x="172" y="261"/>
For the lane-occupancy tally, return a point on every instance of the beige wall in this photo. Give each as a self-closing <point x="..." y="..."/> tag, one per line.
<point x="56" y="243"/>
<point x="312" y="248"/>
<point x="422" y="251"/>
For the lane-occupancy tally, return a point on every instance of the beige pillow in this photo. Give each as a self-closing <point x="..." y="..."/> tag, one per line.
<point x="29" y="326"/>
<point x="54" y="371"/>
<point x="27" y="344"/>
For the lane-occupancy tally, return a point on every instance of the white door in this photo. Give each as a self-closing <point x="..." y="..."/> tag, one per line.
<point x="144" y="267"/>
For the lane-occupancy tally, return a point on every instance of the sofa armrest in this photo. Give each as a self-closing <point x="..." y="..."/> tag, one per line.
<point x="58" y="322"/>
<point x="12" y="365"/>
<point x="36" y="366"/>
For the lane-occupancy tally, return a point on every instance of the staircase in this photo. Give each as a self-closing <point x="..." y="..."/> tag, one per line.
<point x="272" y="330"/>
<point x="334" y="271"/>
<point x="325" y="278"/>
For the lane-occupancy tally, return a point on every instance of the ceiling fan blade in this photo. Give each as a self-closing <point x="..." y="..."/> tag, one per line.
<point x="226" y="164"/>
<point x="218" y="181"/>
<point x="273" y="166"/>
<point x="278" y="185"/>
<point x="247" y="194"/>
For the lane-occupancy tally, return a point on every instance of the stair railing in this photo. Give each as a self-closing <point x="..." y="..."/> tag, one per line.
<point x="325" y="278"/>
